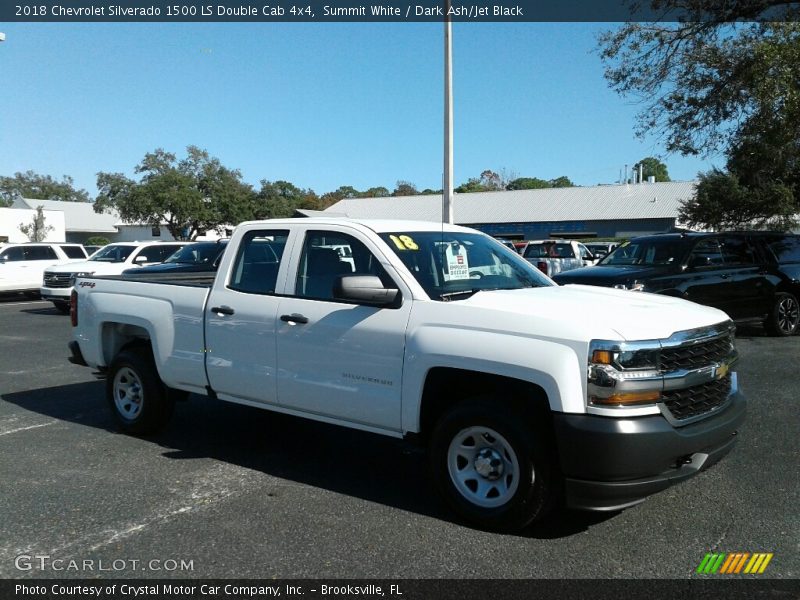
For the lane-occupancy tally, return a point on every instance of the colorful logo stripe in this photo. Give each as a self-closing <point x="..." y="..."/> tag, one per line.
<point x="734" y="563"/>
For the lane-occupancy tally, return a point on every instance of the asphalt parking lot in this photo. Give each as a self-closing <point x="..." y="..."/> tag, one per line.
<point x="232" y="491"/>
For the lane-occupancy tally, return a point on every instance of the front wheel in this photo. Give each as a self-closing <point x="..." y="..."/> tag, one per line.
<point x="784" y="319"/>
<point x="62" y="307"/>
<point x="493" y="466"/>
<point x="135" y="393"/>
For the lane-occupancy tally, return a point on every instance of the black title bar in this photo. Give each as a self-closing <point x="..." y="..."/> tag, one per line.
<point x="408" y="11"/>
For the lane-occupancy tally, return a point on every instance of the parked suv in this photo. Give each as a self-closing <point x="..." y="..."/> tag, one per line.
<point x="22" y="265"/>
<point x="112" y="259"/>
<point x="749" y="275"/>
<point x="200" y="257"/>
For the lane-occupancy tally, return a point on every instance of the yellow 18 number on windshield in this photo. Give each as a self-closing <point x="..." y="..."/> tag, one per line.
<point x="404" y="242"/>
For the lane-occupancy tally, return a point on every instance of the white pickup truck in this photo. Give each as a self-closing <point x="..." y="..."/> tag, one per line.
<point x="523" y="396"/>
<point x="552" y="257"/>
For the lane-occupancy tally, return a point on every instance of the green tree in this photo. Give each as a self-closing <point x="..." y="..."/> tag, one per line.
<point x="279" y="199"/>
<point x="376" y="192"/>
<point x="701" y="81"/>
<point x="561" y="182"/>
<point x="39" y="187"/>
<point x="194" y="194"/>
<point x="652" y="167"/>
<point x="405" y="188"/>
<point x="97" y="240"/>
<point x="473" y="184"/>
<point x="36" y="230"/>
<point x="527" y="183"/>
<point x="534" y="183"/>
<point x="489" y="181"/>
<point x="711" y="85"/>
<point x="723" y="202"/>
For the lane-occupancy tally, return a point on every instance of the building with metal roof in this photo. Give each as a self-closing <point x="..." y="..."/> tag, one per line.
<point x="81" y="222"/>
<point x="576" y="212"/>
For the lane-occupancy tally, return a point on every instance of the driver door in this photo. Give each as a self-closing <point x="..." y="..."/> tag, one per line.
<point x="340" y="359"/>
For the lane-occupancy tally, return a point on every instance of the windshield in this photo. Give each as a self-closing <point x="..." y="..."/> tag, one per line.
<point x="197" y="254"/>
<point x="113" y="254"/>
<point x="452" y="265"/>
<point x="647" y="252"/>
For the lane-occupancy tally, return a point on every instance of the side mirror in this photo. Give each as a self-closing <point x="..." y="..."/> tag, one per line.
<point x="364" y="289"/>
<point x="140" y="260"/>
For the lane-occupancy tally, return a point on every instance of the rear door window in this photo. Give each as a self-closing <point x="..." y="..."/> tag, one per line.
<point x="40" y="253"/>
<point x="736" y="250"/>
<point x="255" y="270"/>
<point x="706" y="253"/>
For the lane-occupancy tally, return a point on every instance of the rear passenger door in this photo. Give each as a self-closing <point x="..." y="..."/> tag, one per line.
<point x="707" y="280"/>
<point x="241" y="318"/>
<point x="36" y="260"/>
<point x="751" y="291"/>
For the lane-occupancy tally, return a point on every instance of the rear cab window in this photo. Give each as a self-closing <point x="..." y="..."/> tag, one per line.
<point x="258" y="260"/>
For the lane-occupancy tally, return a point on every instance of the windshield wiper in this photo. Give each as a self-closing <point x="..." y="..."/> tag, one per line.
<point x="450" y="295"/>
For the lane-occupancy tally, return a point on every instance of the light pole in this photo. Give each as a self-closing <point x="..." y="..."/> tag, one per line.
<point x="447" y="189"/>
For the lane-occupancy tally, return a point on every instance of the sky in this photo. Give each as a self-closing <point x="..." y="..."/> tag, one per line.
<point x="318" y="104"/>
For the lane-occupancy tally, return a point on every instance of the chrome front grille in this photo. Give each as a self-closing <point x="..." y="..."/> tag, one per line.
<point x="696" y="355"/>
<point x="57" y="280"/>
<point x="697" y="400"/>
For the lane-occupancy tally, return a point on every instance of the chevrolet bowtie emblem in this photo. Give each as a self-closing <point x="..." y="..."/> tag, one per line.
<point x="721" y="370"/>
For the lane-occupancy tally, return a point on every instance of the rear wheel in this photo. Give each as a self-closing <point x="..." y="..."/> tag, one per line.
<point x="494" y="468"/>
<point x="784" y="319"/>
<point x="135" y="393"/>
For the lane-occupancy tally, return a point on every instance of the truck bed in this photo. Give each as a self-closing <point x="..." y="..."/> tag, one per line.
<point x="205" y="279"/>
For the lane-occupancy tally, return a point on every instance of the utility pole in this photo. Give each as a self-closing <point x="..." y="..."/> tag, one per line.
<point x="447" y="189"/>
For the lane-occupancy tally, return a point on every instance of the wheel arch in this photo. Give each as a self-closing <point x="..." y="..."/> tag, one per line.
<point x="446" y="387"/>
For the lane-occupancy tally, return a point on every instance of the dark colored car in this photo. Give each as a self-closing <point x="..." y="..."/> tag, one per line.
<point x="199" y="257"/>
<point x="749" y="275"/>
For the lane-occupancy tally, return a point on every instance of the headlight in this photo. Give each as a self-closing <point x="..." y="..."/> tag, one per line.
<point x="623" y="374"/>
<point x="635" y="286"/>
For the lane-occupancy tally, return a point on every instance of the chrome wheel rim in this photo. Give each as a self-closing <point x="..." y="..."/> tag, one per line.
<point x="128" y="394"/>
<point x="483" y="467"/>
<point x="788" y="314"/>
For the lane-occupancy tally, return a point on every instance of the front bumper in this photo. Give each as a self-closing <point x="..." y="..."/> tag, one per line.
<point x="58" y="294"/>
<point x="610" y="463"/>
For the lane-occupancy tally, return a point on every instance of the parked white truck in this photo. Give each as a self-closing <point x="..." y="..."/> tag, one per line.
<point x="522" y="396"/>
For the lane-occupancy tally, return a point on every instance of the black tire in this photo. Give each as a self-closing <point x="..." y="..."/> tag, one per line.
<point x="62" y="307"/>
<point x="519" y="439"/>
<point x="134" y="391"/>
<point x="784" y="318"/>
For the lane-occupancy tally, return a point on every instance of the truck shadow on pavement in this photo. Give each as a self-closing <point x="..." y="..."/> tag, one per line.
<point x="363" y="465"/>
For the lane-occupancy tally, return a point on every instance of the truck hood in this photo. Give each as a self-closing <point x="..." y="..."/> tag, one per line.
<point x="596" y="313"/>
<point x="608" y="276"/>
<point x="91" y="266"/>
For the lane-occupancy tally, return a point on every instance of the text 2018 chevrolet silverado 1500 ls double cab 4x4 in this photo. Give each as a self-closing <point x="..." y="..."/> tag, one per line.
<point x="436" y="332"/>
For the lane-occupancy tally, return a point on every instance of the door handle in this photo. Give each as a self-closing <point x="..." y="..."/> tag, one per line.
<point x="294" y="318"/>
<point x="222" y="310"/>
<point x="725" y="276"/>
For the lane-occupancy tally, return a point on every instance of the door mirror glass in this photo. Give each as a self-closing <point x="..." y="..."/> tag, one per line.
<point x="364" y="289"/>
